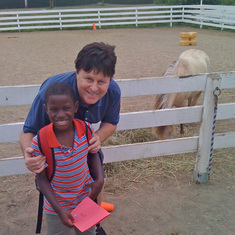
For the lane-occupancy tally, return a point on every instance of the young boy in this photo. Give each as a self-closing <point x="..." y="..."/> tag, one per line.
<point x="72" y="181"/>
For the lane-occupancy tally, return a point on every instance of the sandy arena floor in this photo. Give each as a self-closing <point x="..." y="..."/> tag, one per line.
<point x="149" y="205"/>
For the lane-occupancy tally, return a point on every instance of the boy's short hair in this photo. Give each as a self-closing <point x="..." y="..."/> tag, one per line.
<point x="99" y="57"/>
<point x="60" y="88"/>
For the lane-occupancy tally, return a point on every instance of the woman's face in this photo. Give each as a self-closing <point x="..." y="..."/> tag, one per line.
<point x="92" y="86"/>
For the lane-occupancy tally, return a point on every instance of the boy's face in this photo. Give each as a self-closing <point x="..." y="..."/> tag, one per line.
<point x="92" y="86"/>
<point x="61" y="109"/>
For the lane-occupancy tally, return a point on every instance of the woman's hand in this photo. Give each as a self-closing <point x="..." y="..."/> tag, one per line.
<point x="94" y="144"/>
<point x="34" y="164"/>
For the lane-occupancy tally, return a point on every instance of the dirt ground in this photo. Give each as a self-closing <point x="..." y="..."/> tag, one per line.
<point x="144" y="204"/>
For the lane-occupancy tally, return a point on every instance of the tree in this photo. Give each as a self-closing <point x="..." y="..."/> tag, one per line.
<point x="51" y="2"/>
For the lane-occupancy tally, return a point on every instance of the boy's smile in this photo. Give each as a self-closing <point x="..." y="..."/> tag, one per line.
<point x="61" y="109"/>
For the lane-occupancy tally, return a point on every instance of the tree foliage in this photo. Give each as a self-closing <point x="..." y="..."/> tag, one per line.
<point x="10" y="4"/>
<point x="193" y="2"/>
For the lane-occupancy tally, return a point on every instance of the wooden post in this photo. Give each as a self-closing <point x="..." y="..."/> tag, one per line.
<point x="201" y="11"/>
<point x="99" y="19"/>
<point x="136" y="18"/>
<point x="171" y="18"/>
<point x="18" y="21"/>
<point x="204" y="144"/>
<point x="60" y="20"/>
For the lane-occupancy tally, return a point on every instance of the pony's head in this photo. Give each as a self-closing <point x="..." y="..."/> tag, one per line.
<point x="164" y="132"/>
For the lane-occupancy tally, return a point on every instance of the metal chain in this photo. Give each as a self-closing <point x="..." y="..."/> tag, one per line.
<point x="216" y="94"/>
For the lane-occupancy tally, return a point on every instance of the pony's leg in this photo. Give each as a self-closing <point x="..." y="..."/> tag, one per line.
<point x="193" y="99"/>
<point x="181" y="130"/>
<point x="167" y="132"/>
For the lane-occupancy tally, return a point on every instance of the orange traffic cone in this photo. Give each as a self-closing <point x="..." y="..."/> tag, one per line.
<point x="107" y="206"/>
<point x="94" y="27"/>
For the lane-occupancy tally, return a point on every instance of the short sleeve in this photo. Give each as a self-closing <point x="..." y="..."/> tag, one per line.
<point x="112" y="113"/>
<point x="34" y="145"/>
<point x="90" y="127"/>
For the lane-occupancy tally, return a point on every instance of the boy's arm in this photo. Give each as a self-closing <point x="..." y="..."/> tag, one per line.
<point x="94" y="163"/>
<point x="46" y="189"/>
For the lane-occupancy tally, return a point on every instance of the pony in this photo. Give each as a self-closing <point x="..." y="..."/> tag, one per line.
<point x="190" y="62"/>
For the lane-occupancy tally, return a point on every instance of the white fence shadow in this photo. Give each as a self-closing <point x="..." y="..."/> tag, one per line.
<point x="22" y="95"/>
<point x="222" y="17"/>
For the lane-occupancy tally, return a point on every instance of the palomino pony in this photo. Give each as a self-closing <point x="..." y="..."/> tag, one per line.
<point x="190" y="62"/>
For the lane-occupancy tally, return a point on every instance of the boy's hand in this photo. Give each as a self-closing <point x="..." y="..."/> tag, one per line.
<point x="34" y="164"/>
<point x="96" y="187"/>
<point x="66" y="218"/>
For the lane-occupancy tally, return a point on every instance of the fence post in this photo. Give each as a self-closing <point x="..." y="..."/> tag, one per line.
<point x="183" y="14"/>
<point x="223" y="17"/>
<point x="136" y="18"/>
<point x="60" y="20"/>
<point x="171" y="18"/>
<point x="18" y="21"/>
<point x="99" y="19"/>
<point x="204" y="144"/>
<point x="201" y="14"/>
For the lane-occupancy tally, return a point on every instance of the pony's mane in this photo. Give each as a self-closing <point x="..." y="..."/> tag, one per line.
<point x="161" y="101"/>
<point x="170" y="70"/>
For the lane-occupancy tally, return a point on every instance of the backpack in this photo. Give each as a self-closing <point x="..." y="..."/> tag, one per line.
<point x="50" y="159"/>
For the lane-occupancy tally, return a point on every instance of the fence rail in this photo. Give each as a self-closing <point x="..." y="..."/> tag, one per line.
<point x="134" y="120"/>
<point x="206" y="15"/>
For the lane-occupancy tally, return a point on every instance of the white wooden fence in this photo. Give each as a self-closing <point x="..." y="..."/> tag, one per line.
<point x="208" y="15"/>
<point x="21" y="95"/>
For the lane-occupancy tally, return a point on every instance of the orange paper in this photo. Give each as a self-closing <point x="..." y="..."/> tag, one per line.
<point x="87" y="214"/>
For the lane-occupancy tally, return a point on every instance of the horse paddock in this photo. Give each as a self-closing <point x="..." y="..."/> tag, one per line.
<point x="151" y="196"/>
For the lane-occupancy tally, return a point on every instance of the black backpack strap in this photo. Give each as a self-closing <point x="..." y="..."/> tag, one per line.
<point x="50" y="157"/>
<point x="88" y="132"/>
<point x="40" y="213"/>
<point x="47" y="152"/>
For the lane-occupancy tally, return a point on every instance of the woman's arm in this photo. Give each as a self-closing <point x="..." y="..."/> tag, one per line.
<point x="34" y="164"/>
<point x="103" y="133"/>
